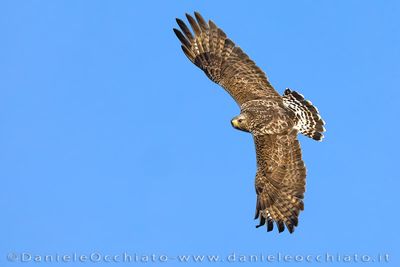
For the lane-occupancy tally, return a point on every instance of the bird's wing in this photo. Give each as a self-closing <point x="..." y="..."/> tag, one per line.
<point x="222" y="61"/>
<point x="280" y="180"/>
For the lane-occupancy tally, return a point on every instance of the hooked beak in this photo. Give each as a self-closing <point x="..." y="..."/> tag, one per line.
<point x="235" y="123"/>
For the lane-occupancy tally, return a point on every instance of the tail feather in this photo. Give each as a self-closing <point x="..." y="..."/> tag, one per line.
<point x="309" y="122"/>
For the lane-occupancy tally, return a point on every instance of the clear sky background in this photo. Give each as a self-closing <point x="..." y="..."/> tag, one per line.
<point x="111" y="141"/>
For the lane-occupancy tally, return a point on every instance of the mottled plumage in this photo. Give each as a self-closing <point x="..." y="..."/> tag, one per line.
<point x="272" y="119"/>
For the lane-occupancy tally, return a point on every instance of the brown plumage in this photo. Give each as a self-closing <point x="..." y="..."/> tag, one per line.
<point x="272" y="119"/>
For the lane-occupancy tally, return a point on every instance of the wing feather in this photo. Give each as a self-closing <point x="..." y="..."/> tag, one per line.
<point x="194" y="25"/>
<point x="201" y="21"/>
<point x="185" y="29"/>
<point x="222" y="61"/>
<point x="183" y="39"/>
<point x="280" y="180"/>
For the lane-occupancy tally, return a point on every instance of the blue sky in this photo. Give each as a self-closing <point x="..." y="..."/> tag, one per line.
<point x="112" y="141"/>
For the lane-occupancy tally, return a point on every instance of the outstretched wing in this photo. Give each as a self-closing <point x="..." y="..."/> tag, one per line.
<point x="280" y="180"/>
<point x="223" y="61"/>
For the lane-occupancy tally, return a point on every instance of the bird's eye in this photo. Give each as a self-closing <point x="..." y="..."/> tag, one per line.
<point x="239" y="120"/>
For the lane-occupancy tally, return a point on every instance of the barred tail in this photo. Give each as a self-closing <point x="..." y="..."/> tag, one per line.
<point x="309" y="122"/>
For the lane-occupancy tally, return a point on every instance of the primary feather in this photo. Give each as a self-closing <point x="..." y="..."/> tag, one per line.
<point x="222" y="61"/>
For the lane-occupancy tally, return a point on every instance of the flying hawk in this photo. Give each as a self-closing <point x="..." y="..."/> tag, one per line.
<point x="272" y="119"/>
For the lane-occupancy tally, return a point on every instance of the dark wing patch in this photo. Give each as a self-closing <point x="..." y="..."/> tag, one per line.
<point x="280" y="181"/>
<point x="222" y="61"/>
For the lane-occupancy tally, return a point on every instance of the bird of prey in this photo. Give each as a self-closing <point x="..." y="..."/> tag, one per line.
<point x="272" y="119"/>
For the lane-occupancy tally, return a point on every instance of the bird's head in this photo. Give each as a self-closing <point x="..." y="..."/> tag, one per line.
<point x="240" y="122"/>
